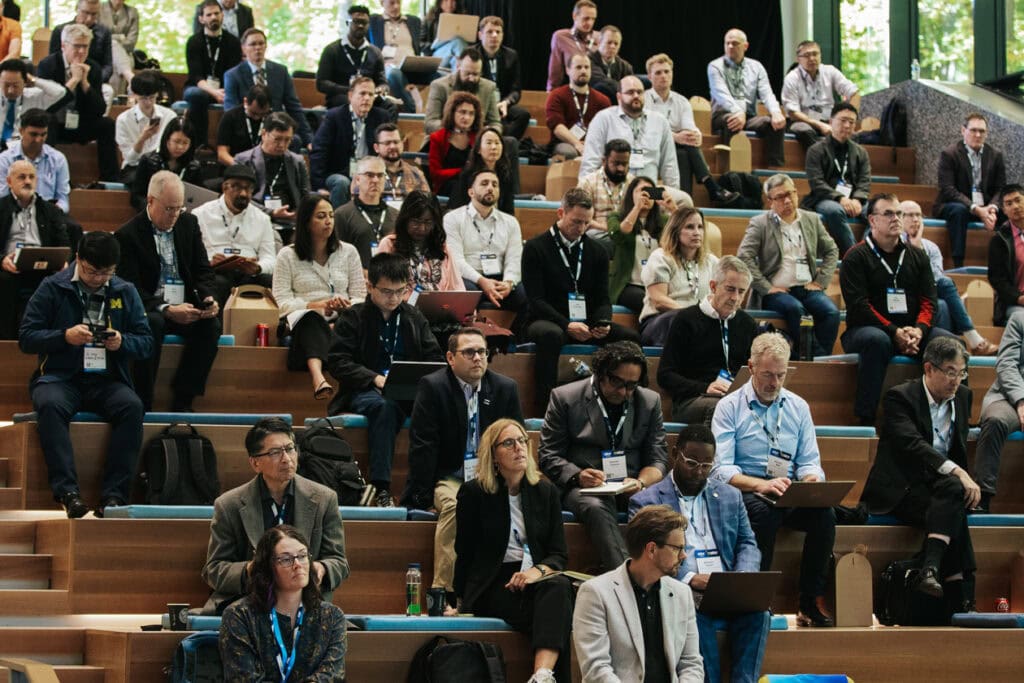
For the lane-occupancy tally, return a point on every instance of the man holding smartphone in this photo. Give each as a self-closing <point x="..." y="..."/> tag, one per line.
<point x="138" y="130"/>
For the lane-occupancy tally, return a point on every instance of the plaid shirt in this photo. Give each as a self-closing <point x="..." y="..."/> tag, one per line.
<point x="607" y="197"/>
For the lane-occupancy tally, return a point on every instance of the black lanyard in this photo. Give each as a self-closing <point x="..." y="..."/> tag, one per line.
<point x="899" y="264"/>
<point x="586" y="105"/>
<point x="377" y="229"/>
<point x="613" y="435"/>
<point x="564" y="252"/>
<point x="212" y="57"/>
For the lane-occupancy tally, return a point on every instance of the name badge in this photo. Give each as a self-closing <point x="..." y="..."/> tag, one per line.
<point x="272" y="202"/>
<point x="577" y="307"/>
<point x="469" y="464"/>
<point x="71" y="120"/>
<point x="389" y="51"/>
<point x="395" y="204"/>
<point x="844" y="189"/>
<point x="614" y="465"/>
<point x="95" y="358"/>
<point x="578" y="131"/>
<point x="977" y="197"/>
<point x="374" y="246"/>
<point x="353" y="168"/>
<point x="174" y="292"/>
<point x="414" y="295"/>
<point x="778" y="463"/>
<point x="725" y="374"/>
<point x="803" y="271"/>
<point x="232" y="251"/>
<point x="896" y="300"/>
<point x="637" y="159"/>
<point x="489" y="265"/>
<point x="213" y="82"/>
<point x="708" y="561"/>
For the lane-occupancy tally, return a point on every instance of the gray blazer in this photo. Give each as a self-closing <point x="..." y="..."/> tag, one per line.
<point x="1009" y="383"/>
<point x="442" y="88"/>
<point x="238" y="525"/>
<point x="761" y="250"/>
<point x="295" y="171"/>
<point x="574" y="433"/>
<point x="609" y="639"/>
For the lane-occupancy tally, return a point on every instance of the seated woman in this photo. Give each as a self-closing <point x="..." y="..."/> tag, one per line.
<point x="676" y="275"/>
<point x="282" y="630"/>
<point x="509" y="535"/>
<point x="177" y="149"/>
<point x="634" y="232"/>
<point x="420" y="237"/>
<point x="450" y="144"/>
<point x="488" y="152"/>
<point x="448" y="50"/>
<point x="314" y="278"/>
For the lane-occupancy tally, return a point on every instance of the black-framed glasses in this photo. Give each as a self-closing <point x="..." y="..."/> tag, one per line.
<point x="512" y="442"/>
<point x="288" y="561"/>
<point x="953" y="373"/>
<point x="889" y="214"/>
<point x="276" y="453"/>
<point x="470" y="354"/>
<point x="678" y="548"/>
<point x="619" y="383"/>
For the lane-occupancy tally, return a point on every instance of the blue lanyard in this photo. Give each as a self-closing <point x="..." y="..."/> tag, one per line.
<point x="286" y="659"/>
<point x="773" y="439"/>
<point x="725" y="341"/>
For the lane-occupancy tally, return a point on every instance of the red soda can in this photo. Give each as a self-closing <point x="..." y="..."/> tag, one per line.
<point x="1002" y="605"/>
<point x="262" y="335"/>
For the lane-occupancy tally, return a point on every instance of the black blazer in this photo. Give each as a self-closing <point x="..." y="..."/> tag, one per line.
<point x="53" y="231"/>
<point x="332" y="144"/>
<point x="508" y="79"/>
<point x="1002" y="272"/>
<point x="483" y="521"/>
<point x="100" y="50"/>
<point x="905" y="457"/>
<point x="335" y="70"/>
<point x="955" y="179"/>
<point x="243" y="12"/>
<point x="548" y="282"/>
<point x="437" y="432"/>
<point x="140" y="263"/>
<point x="89" y="105"/>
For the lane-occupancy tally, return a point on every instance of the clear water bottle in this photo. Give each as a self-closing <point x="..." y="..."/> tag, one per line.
<point x="579" y="368"/>
<point x="806" y="337"/>
<point x="413" y="579"/>
<point x="915" y="70"/>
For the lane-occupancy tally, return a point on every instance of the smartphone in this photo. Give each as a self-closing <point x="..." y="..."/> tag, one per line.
<point x="99" y="336"/>
<point x="155" y="121"/>
<point x="206" y="303"/>
<point x="654" y="193"/>
<point x="601" y="323"/>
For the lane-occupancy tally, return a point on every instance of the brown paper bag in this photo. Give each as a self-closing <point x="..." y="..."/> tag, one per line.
<point x="247" y="307"/>
<point x="561" y="177"/>
<point x="854" y="597"/>
<point x="978" y="302"/>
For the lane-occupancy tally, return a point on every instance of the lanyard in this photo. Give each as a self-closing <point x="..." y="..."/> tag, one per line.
<point x="615" y="198"/>
<point x="637" y="127"/>
<point x="393" y="187"/>
<point x="269" y="189"/>
<point x="87" y="310"/>
<point x="214" y="56"/>
<point x="358" y="126"/>
<point x="389" y="345"/>
<point x="846" y="163"/>
<point x="689" y="270"/>
<point x="564" y="252"/>
<point x="899" y="264"/>
<point x="279" y="512"/>
<point x="253" y="137"/>
<point x="25" y="220"/>
<point x="576" y="39"/>
<point x="286" y="659"/>
<point x="224" y="218"/>
<point x="698" y="514"/>
<point x="725" y="341"/>
<point x="362" y="56"/>
<point x="473" y="421"/>
<point x="814" y="96"/>
<point x="377" y="229"/>
<point x="773" y="439"/>
<point x="490" y="240"/>
<point x="612" y="435"/>
<point x="586" y="105"/>
<point x="492" y="65"/>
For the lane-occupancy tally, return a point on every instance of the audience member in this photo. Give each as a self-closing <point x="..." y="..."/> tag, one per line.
<point x="87" y="325"/>
<point x="721" y="540"/>
<point x="760" y="462"/>
<point x="367" y="339"/>
<point x="707" y="345"/>
<point x="87" y="14"/>
<point x="163" y="256"/>
<point x="890" y="301"/>
<point x="810" y="91"/>
<point x="466" y="78"/>
<point x="281" y="176"/>
<point x="238" y="18"/>
<point x="501" y="66"/>
<point x="123" y="23"/>
<point x="488" y="154"/>
<point x="138" y="130"/>
<point x="450" y="145"/>
<point x="53" y="177"/>
<point x="570" y="109"/>
<point x="238" y="237"/>
<point x="275" y="496"/>
<point x="400" y="177"/>
<point x="601" y="429"/>
<point x="208" y="55"/>
<point x="10" y="38"/>
<point x="366" y="219"/>
<point x="283" y="587"/>
<point x="607" y="68"/>
<point x="636" y="622"/>
<point x="566" y="42"/>
<point x="782" y="248"/>
<point x="565" y="274"/>
<point x="920" y="471"/>
<point x="634" y="231"/>
<point x="509" y="536"/>
<point x="430" y="44"/>
<point x="241" y="128"/>
<point x="839" y="176"/>
<point x="607" y="185"/>
<point x="737" y="84"/>
<point x="21" y="92"/>
<point x="970" y="177"/>
<point x="351" y="56"/>
<point x="397" y="36"/>
<point x="420" y="239"/>
<point x="1004" y="271"/>
<point x="176" y="154"/>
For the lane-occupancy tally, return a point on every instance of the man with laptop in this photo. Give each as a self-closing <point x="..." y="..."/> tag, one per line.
<point x="720" y="539"/>
<point x="766" y="442"/>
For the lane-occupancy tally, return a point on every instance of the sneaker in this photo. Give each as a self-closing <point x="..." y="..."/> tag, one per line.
<point x="384" y="500"/>
<point x="726" y="197"/>
<point x="812" y="613"/>
<point x="542" y="676"/>
<point x="73" y="504"/>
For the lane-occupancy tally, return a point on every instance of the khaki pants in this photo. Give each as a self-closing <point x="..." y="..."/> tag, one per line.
<point x="445" y="493"/>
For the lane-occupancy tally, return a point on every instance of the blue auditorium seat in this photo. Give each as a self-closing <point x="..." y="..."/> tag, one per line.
<point x="191" y="418"/>
<point x="225" y="339"/>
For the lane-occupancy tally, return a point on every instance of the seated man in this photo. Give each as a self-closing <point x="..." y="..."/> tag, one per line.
<point x="839" y="175"/>
<point x="742" y="421"/>
<point x="240" y="128"/>
<point x="492" y="264"/>
<point x="737" y="84"/>
<point x="26" y="220"/>
<point x="810" y="91"/>
<point x="256" y="69"/>
<point x="366" y="219"/>
<point x="82" y="119"/>
<point x="232" y="226"/>
<point x="920" y="471"/>
<point x="707" y="345"/>
<point x="281" y="176"/>
<point x="952" y="314"/>
<point x="87" y="326"/>
<point x="607" y="185"/>
<point x="569" y="42"/>
<point x="565" y="274"/>
<point x="570" y="109"/>
<point x="344" y="137"/>
<point x="162" y="254"/>
<point x="607" y="68"/>
<point x="276" y="495"/>
<point x="237" y="17"/>
<point x="400" y="177"/>
<point x="22" y="92"/>
<point x="890" y="301"/>
<point x="465" y="79"/>
<point x="208" y="55"/>
<point x="599" y="429"/>
<point x="351" y="56"/>
<point x="368" y="337"/>
<point x="100" y="48"/>
<point x="138" y="130"/>
<point x="453" y="407"/>
<point x="781" y="247"/>
<point x="720" y="531"/>
<point x="501" y="65"/>
<point x="1004" y="273"/>
<point x="53" y="178"/>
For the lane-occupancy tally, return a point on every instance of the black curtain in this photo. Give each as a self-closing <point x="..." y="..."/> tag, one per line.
<point x="692" y="33"/>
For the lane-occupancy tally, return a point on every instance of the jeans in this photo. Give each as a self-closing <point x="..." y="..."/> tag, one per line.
<point x="800" y="301"/>
<point x="385" y="420"/>
<point x="398" y="79"/>
<point x="953" y="316"/>
<point x="957" y="216"/>
<point x="998" y="420"/>
<point x="691" y="165"/>
<point x="338" y="185"/>
<point x="833" y="215"/>
<point x="748" y="634"/>
<point x="199" y="102"/>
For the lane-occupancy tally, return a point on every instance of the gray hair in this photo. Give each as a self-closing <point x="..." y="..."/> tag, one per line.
<point x="941" y="350"/>
<point x="366" y="162"/>
<point x="161" y="180"/>
<point x="728" y="264"/>
<point x="72" y="31"/>
<point x="771" y="344"/>
<point x="777" y="180"/>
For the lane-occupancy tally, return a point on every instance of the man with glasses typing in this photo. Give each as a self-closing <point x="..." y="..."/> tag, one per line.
<point x="604" y="428"/>
<point x="276" y="495"/>
<point x="890" y="301"/>
<point x="452" y="409"/>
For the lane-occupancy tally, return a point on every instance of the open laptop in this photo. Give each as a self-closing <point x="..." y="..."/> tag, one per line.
<point x="412" y="64"/>
<point x="457" y="26"/>
<point x="447" y="307"/>
<point x="738" y="592"/>
<point x="403" y="377"/>
<point x="196" y="195"/>
<point x="42" y="259"/>
<point x="810" y="494"/>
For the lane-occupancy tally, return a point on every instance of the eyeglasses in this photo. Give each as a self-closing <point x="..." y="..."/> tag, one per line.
<point x="953" y="373"/>
<point x="288" y="561"/>
<point x="372" y="175"/>
<point x="695" y="465"/>
<point x="470" y="354"/>
<point x="93" y="272"/>
<point x="392" y="293"/>
<point x="678" y="548"/>
<point x="276" y="453"/>
<point x="359" y="22"/>
<point x="889" y="215"/>
<point x="782" y="197"/>
<point x="619" y="383"/>
<point x="173" y="210"/>
<point x="511" y="443"/>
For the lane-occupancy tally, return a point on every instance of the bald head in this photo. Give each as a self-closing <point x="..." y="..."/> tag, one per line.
<point x="913" y="221"/>
<point x="21" y="179"/>
<point x="631" y="96"/>
<point x="736" y="44"/>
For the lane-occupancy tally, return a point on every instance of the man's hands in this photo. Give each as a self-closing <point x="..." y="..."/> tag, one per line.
<point x="283" y="214"/>
<point x="79" y="335"/>
<point x="579" y="331"/>
<point x="600" y="331"/>
<point x="773" y="487"/>
<point x="79" y="76"/>
<point x="379" y="380"/>
<point x="502" y="109"/>
<point x="186" y="314"/>
<point x="972" y="493"/>
<point x="689" y="138"/>
<point x="718" y="387"/>
<point x="591" y="477"/>
<point x="319" y="570"/>
<point x="335" y="303"/>
<point x="699" y="582"/>
<point x="519" y="580"/>
<point x="735" y="122"/>
<point x="987" y="215"/>
<point x="778" y="121"/>
<point x="8" y="264"/>
<point x="908" y="340"/>
<point x="852" y="207"/>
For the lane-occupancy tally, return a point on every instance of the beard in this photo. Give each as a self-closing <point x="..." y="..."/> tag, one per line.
<point x="466" y="86"/>
<point x="615" y="176"/>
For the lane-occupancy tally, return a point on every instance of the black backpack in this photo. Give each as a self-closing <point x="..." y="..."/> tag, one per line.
<point x="179" y="467"/>
<point x="197" y="659"/>
<point x="326" y="458"/>
<point x="902" y="604"/>
<point x="747" y="186"/>
<point x="442" y="659"/>
<point x="892" y="129"/>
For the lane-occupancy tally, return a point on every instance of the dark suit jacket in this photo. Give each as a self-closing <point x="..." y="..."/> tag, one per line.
<point x="336" y="70"/>
<point x="483" y="521"/>
<point x="53" y="231"/>
<point x="508" y="77"/>
<point x="905" y="457"/>
<point x="294" y="170"/>
<point x="89" y="105"/>
<point x="609" y="75"/>
<point x="243" y="12"/>
<point x="100" y="49"/>
<point x="955" y="179"/>
<point x="280" y="87"/>
<point x="822" y="174"/>
<point x="376" y="35"/>
<point x="548" y="282"/>
<point x="1002" y="272"/>
<point x="437" y="432"/>
<point x="140" y="263"/>
<point x="332" y="145"/>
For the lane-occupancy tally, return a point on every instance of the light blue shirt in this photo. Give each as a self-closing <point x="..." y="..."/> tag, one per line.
<point x="743" y="443"/>
<point x="654" y="138"/>
<point x="756" y="86"/>
<point x="53" y="179"/>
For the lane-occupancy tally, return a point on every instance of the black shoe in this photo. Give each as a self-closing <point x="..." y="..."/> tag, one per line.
<point x="108" y="502"/>
<point x="182" y="408"/>
<point x="812" y="613"/>
<point x="726" y="197"/>
<point x="73" y="505"/>
<point x="384" y="500"/>
<point x="928" y="582"/>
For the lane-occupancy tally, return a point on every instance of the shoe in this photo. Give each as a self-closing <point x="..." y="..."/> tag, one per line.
<point x="812" y="613"/>
<point x="985" y="348"/>
<point x="182" y="408"/>
<point x="542" y="676"/>
<point x="73" y="505"/>
<point x="108" y="502"/>
<point x="928" y="582"/>
<point x="726" y="197"/>
<point x="384" y="500"/>
<point x="324" y="391"/>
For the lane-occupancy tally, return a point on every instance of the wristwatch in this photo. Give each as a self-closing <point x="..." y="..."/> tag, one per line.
<point x="574" y="481"/>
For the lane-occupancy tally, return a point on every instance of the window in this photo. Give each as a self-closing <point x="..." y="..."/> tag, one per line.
<point x="946" y="39"/>
<point x="1015" y="36"/>
<point x="864" y="35"/>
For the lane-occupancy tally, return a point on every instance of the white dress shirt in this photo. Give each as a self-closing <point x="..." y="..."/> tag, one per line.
<point x="470" y="235"/>
<point x="814" y="97"/>
<point x="129" y="127"/>
<point x="676" y="109"/>
<point x="250" y="232"/>
<point x="655" y="140"/>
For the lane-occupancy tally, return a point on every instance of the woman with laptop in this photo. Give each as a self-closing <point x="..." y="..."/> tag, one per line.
<point x="448" y="49"/>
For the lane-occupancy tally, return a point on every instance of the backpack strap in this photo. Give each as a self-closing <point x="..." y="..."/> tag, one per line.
<point x="419" y="669"/>
<point x="495" y="663"/>
<point x="201" y="474"/>
<point x="172" y="465"/>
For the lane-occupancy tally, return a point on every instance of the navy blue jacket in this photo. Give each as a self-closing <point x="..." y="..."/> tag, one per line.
<point x="333" y="147"/>
<point x="376" y="35"/>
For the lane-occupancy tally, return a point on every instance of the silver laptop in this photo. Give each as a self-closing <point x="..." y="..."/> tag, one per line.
<point x="448" y="307"/>
<point x="196" y="196"/>
<point x="457" y="26"/>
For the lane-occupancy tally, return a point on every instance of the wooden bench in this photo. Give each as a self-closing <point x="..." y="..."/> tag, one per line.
<point x="105" y="210"/>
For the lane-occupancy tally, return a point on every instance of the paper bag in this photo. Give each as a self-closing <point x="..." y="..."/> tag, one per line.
<point x="854" y="599"/>
<point x="978" y="302"/>
<point x="561" y="177"/>
<point x="247" y="307"/>
<point x="735" y="156"/>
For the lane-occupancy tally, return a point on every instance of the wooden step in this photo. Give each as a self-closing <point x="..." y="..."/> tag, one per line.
<point x="10" y="498"/>
<point x="24" y="571"/>
<point x="32" y="602"/>
<point x="80" y="673"/>
<point x="17" y="536"/>
<point x="4" y="464"/>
